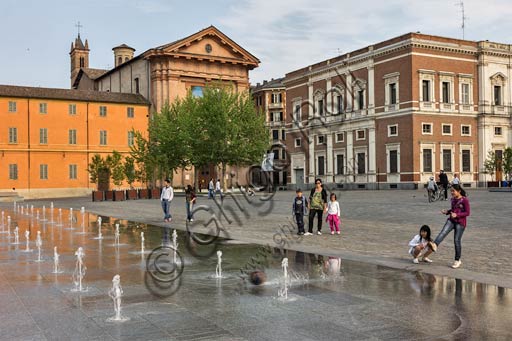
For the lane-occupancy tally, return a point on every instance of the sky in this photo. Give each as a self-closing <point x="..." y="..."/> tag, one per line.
<point x="285" y="35"/>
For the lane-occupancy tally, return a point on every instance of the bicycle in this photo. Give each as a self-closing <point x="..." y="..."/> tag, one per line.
<point x="434" y="195"/>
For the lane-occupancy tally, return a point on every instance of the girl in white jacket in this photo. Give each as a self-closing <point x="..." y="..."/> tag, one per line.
<point x="422" y="242"/>
<point x="333" y="214"/>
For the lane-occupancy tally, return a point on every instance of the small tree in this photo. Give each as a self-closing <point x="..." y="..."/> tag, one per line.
<point x="507" y="163"/>
<point x="115" y="164"/>
<point x="491" y="163"/>
<point x="129" y="170"/>
<point x="97" y="169"/>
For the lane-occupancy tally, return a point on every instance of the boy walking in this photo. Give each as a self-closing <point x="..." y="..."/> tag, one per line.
<point x="299" y="210"/>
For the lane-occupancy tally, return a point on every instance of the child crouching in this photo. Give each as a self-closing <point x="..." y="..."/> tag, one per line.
<point x="422" y="242"/>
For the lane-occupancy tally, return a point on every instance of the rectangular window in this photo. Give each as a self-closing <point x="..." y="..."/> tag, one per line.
<point x="426" y="90"/>
<point x="426" y="128"/>
<point x="283" y="154"/>
<point x="321" y="165"/>
<point x="13" y="172"/>
<point x="465" y="130"/>
<point x="340" y="137"/>
<point x="13" y="135"/>
<point x="72" y="136"/>
<point x="393" y="130"/>
<point x="320" y="107"/>
<point x="321" y="139"/>
<point x="298" y="142"/>
<point x="197" y="91"/>
<point x="361" y="163"/>
<point x="43" y="108"/>
<point x="280" y="116"/>
<point x="447" y="160"/>
<point x="276" y="154"/>
<point x="465" y="93"/>
<point x="12" y="106"/>
<point x="72" y="109"/>
<point x="447" y="129"/>
<point x="275" y="135"/>
<point x="360" y="135"/>
<point x="393" y="161"/>
<point x="392" y="93"/>
<point x="73" y="169"/>
<point x="103" y="137"/>
<point x="43" y="172"/>
<point x="497" y="95"/>
<point x="427" y="160"/>
<point x="137" y="86"/>
<point x="360" y="99"/>
<point x="339" y="99"/>
<point x="497" y="131"/>
<point x="446" y="92"/>
<point x="103" y="111"/>
<point x="131" y="138"/>
<point x="43" y="136"/>
<point x="130" y="112"/>
<point x="466" y="160"/>
<point x="283" y="135"/>
<point x="340" y="163"/>
<point x="297" y="114"/>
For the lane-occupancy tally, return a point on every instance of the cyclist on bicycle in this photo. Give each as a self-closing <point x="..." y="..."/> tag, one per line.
<point x="432" y="187"/>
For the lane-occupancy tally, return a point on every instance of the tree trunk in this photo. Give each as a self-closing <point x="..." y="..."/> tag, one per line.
<point x="224" y="187"/>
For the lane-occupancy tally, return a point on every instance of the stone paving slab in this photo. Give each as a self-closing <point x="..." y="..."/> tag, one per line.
<point x="376" y="227"/>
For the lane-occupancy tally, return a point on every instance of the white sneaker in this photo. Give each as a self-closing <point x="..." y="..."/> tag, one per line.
<point x="456" y="264"/>
<point x="416" y="261"/>
<point x="191" y="220"/>
<point x="319" y="233"/>
<point x="427" y="260"/>
<point x="332" y="232"/>
<point x="308" y="234"/>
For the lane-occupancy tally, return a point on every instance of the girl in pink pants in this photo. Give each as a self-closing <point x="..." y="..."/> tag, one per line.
<point x="333" y="214"/>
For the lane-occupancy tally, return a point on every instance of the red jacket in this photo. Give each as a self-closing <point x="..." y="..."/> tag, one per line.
<point x="461" y="208"/>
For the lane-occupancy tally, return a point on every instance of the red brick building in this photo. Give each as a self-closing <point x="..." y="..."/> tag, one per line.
<point x="392" y="114"/>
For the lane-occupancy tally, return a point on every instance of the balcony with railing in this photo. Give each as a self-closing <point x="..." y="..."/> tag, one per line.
<point x="277" y="105"/>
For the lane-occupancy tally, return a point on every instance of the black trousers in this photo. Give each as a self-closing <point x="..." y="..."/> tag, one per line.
<point x="299" y="218"/>
<point x="445" y="189"/>
<point x="312" y="213"/>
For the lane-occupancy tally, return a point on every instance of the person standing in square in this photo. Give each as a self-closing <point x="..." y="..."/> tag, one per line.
<point x="165" y="198"/>
<point x="299" y="210"/>
<point x="317" y="206"/>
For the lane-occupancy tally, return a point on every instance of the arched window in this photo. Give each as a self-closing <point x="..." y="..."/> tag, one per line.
<point x="119" y="60"/>
<point x="126" y="59"/>
<point x="82" y="62"/>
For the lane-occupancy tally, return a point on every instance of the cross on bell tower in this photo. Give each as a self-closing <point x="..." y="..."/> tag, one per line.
<point x="79" y="55"/>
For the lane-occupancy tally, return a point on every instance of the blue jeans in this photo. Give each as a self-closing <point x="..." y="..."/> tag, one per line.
<point x="189" y="205"/>
<point x="165" y="207"/>
<point x="210" y="193"/>
<point x="447" y="228"/>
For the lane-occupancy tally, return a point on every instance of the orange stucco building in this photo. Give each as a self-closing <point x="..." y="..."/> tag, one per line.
<point x="48" y="136"/>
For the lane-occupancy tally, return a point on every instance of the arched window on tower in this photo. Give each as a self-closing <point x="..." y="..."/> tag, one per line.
<point x="119" y="60"/>
<point x="82" y="62"/>
<point x="126" y="59"/>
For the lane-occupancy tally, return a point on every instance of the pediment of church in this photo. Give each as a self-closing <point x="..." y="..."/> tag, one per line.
<point x="498" y="77"/>
<point x="207" y="44"/>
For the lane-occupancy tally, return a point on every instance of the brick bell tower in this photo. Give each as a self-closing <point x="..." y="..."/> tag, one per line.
<point x="79" y="56"/>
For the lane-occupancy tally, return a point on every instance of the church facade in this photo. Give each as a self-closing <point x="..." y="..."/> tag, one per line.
<point x="167" y="72"/>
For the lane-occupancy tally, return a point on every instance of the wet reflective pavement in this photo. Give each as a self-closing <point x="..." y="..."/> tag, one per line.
<point x="328" y="299"/>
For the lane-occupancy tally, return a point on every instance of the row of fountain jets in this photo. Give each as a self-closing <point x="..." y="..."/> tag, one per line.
<point x="79" y="272"/>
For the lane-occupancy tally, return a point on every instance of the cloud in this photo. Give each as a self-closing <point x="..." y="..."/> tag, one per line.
<point x="291" y="34"/>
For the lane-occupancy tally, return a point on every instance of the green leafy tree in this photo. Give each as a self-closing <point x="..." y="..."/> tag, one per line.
<point x="491" y="164"/>
<point x="97" y="169"/>
<point x="228" y="130"/>
<point x="507" y="162"/>
<point x="144" y="159"/>
<point x="116" y="167"/>
<point x="129" y="170"/>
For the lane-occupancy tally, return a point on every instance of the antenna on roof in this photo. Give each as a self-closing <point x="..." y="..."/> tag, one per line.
<point x="463" y="25"/>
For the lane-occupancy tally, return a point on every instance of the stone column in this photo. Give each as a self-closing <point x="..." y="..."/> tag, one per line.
<point x="350" y="92"/>
<point x="311" y="101"/>
<point x="371" y="90"/>
<point x="330" y="171"/>
<point x="372" y="165"/>
<point x="349" y="135"/>
<point x="328" y="100"/>
<point x="311" y="177"/>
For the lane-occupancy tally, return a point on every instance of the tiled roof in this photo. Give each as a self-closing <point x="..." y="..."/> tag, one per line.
<point x="123" y="46"/>
<point x="94" y="73"/>
<point x="272" y="84"/>
<point x="72" y="95"/>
